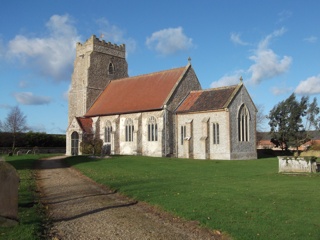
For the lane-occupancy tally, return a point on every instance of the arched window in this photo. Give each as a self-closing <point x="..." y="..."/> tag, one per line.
<point x="215" y="133"/>
<point x="111" y="68"/>
<point x="183" y="133"/>
<point x="243" y="124"/>
<point x="107" y="132"/>
<point x="152" y="129"/>
<point x="74" y="143"/>
<point x="129" y="130"/>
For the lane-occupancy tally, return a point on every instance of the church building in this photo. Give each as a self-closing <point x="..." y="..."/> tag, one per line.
<point x="161" y="114"/>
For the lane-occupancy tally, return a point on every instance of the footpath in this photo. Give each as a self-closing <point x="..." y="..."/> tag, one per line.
<point x="79" y="208"/>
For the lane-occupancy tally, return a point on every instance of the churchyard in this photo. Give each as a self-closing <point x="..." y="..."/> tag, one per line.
<point x="246" y="199"/>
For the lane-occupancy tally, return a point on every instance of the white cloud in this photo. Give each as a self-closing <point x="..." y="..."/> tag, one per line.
<point x="309" y="86"/>
<point x="267" y="63"/>
<point x="51" y="56"/>
<point x="279" y="91"/>
<point x="226" y="81"/>
<point x="265" y="42"/>
<point x="311" y="39"/>
<point x="235" y="38"/>
<point x="169" y="41"/>
<point x="27" y="98"/>
<point x="114" y="34"/>
<point x="284" y="15"/>
<point x="24" y="84"/>
<point x="65" y="95"/>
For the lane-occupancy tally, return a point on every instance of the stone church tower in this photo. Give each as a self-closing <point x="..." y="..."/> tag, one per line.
<point x="96" y="64"/>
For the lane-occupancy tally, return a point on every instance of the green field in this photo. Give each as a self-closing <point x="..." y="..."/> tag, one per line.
<point x="30" y="212"/>
<point x="245" y="199"/>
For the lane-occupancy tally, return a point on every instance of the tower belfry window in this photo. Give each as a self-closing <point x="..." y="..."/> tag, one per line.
<point x="111" y="68"/>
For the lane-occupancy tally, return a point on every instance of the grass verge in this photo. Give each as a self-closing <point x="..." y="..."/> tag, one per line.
<point x="30" y="212"/>
<point x="246" y="199"/>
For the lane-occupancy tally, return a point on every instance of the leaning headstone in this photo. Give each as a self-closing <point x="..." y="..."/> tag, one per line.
<point x="9" y="184"/>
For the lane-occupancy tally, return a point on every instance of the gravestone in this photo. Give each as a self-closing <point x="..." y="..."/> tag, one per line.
<point x="9" y="184"/>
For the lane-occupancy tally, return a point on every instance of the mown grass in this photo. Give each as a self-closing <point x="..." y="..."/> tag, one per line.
<point x="246" y="199"/>
<point x="30" y="212"/>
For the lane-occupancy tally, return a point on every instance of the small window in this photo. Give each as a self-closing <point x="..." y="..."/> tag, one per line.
<point x="183" y="134"/>
<point x="152" y="130"/>
<point x="111" y="68"/>
<point x="107" y="132"/>
<point x="215" y="133"/>
<point x="129" y="130"/>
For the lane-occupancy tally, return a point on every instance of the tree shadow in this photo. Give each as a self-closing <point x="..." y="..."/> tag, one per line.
<point x="95" y="211"/>
<point x="75" y="160"/>
<point x="77" y="198"/>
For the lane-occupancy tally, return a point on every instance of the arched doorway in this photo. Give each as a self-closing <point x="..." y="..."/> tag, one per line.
<point x="74" y="144"/>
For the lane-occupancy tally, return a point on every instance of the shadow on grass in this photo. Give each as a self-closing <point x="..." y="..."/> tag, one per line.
<point x="74" y="160"/>
<point x="30" y="162"/>
<point x="38" y="162"/>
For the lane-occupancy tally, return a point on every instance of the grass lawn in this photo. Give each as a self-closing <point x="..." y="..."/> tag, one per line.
<point x="246" y="199"/>
<point x="30" y="212"/>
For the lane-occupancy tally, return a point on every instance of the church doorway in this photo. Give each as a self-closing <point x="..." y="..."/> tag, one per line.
<point x="74" y="144"/>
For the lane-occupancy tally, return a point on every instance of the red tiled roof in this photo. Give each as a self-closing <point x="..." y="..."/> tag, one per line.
<point x="85" y="124"/>
<point x="135" y="94"/>
<point x="265" y="142"/>
<point x="205" y="100"/>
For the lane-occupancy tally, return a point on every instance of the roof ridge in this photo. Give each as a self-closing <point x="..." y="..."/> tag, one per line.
<point x="217" y="88"/>
<point x="147" y="74"/>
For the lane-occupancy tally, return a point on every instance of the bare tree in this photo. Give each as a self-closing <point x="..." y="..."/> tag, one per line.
<point x="261" y="118"/>
<point x="15" y="123"/>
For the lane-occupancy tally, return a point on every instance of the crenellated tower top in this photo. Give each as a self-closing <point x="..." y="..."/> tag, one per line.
<point x="97" y="45"/>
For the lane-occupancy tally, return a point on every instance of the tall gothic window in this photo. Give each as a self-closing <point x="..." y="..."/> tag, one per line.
<point x="152" y="129"/>
<point x="243" y="124"/>
<point x="215" y="133"/>
<point x="107" y="132"/>
<point x="74" y="143"/>
<point x="183" y="133"/>
<point x="129" y="130"/>
<point x="111" y="68"/>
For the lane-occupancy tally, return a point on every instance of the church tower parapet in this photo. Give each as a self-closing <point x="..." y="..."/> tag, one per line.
<point x="97" y="45"/>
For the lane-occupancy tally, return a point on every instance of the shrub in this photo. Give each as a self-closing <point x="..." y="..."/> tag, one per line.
<point x="91" y="147"/>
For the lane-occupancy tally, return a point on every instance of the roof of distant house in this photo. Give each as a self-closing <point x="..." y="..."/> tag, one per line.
<point x="136" y="94"/>
<point x="211" y="99"/>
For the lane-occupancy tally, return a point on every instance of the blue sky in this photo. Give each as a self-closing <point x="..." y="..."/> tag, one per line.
<point x="273" y="45"/>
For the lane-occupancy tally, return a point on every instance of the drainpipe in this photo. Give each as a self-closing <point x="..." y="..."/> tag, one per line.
<point x="165" y="130"/>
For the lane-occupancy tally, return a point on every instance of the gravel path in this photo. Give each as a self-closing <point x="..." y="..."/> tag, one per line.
<point x="82" y="209"/>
